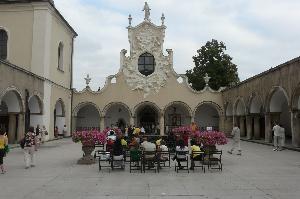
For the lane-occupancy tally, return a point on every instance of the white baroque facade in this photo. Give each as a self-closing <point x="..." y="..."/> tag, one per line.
<point x="147" y="91"/>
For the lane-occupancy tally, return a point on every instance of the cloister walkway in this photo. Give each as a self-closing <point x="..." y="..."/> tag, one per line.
<point x="259" y="173"/>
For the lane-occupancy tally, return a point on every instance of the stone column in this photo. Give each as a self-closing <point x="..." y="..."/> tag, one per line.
<point x="229" y="124"/>
<point x="268" y="128"/>
<point x="74" y="120"/>
<point x="256" y="128"/>
<point x="102" y="127"/>
<point x="162" y="124"/>
<point x="295" y="124"/>
<point x="21" y="126"/>
<point x="192" y="119"/>
<point x="11" y="128"/>
<point x="249" y="121"/>
<point x="131" y="120"/>
<point x="242" y="126"/>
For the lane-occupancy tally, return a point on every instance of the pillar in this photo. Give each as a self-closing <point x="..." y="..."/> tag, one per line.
<point x="295" y="124"/>
<point x="193" y="119"/>
<point x="268" y="128"/>
<point x="249" y="121"/>
<point x="21" y="126"/>
<point x="11" y="128"/>
<point x="131" y="121"/>
<point x="162" y="124"/>
<point x="102" y="127"/>
<point x="256" y="128"/>
<point x="242" y="126"/>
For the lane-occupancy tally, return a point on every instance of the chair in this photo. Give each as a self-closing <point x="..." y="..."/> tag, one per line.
<point x="103" y="157"/>
<point x="135" y="160"/>
<point x="163" y="159"/>
<point x="97" y="148"/>
<point x="215" y="159"/>
<point x="198" y="157"/>
<point x="117" y="161"/>
<point x="183" y="158"/>
<point x="127" y="155"/>
<point x="149" y="159"/>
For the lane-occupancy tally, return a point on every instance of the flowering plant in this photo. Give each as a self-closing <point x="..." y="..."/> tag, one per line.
<point x="211" y="138"/>
<point x="89" y="137"/>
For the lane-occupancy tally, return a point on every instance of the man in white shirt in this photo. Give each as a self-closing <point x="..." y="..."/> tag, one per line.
<point x="277" y="133"/>
<point x="236" y="134"/>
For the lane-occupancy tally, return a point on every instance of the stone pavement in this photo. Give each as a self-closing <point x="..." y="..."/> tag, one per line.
<point x="259" y="173"/>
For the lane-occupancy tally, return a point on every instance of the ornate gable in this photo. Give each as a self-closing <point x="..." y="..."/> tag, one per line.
<point x="146" y="38"/>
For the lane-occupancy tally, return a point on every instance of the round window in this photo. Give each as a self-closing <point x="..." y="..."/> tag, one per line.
<point x="146" y="64"/>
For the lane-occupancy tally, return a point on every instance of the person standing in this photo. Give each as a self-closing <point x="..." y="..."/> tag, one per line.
<point x="44" y="133"/>
<point x="282" y="138"/>
<point x="29" y="148"/>
<point x="236" y="134"/>
<point x="37" y="137"/>
<point x="277" y="133"/>
<point x="3" y="144"/>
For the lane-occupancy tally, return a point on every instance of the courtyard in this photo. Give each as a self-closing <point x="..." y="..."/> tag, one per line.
<point x="259" y="173"/>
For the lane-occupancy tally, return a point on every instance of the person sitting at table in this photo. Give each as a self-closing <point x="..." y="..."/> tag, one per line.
<point x="194" y="148"/>
<point x="180" y="157"/>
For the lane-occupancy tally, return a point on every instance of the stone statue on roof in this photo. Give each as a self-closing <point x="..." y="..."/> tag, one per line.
<point x="147" y="11"/>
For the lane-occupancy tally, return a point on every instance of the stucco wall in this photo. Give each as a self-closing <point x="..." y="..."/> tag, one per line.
<point x="17" y="20"/>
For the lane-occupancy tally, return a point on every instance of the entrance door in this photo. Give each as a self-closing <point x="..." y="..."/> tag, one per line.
<point x="4" y="122"/>
<point x="147" y="119"/>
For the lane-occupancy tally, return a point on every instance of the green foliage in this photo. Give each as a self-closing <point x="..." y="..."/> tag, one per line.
<point x="211" y="59"/>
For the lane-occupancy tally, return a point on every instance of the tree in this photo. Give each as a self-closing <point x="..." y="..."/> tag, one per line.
<point x="211" y="59"/>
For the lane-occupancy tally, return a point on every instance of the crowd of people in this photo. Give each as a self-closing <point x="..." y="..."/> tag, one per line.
<point x="135" y="140"/>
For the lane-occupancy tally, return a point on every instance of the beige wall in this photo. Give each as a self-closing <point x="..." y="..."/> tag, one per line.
<point x="17" y="20"/>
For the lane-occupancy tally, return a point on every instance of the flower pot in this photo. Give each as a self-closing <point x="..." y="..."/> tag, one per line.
<point x="87" y="156"/>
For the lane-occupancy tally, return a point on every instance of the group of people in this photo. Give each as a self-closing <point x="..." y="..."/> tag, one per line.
<point x="119" y="143"/>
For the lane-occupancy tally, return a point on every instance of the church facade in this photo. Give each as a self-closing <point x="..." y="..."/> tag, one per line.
<point x="36" y="48"/>
<point x="147" y="91"/>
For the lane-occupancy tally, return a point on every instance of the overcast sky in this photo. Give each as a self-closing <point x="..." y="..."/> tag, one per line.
<point x="259" y="34"/>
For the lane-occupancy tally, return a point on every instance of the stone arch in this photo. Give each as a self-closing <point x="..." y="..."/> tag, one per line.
<point x="82" y="104"/>
<point x="147" y="114"/>
<point x="12" y="109"/>
<point x="86" y="115"/>
<point x="296" y="116"/>
<point x="139" y="105"/>
<point x="115" y="112"/>
<point x="207" y="114"/>
<point x="105" y="109"/>
<point x="35" y="106"/>
<point x="13" y="98"/>
<point x="228" y="109"/>
<point x="176" y="113"/>
<point x="295" y="103"/>
<point x="239" y="107"/>
<point x="274" y="90"/>
<point x="279" y="109"/>
<point x="255" y="104"/>
<point x="59" y="116"/>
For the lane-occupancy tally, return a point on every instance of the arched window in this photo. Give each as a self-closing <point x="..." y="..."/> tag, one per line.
<point x="3" y="44"/>
<point x="60" y="56"/>
<point x="146" y="64"/>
